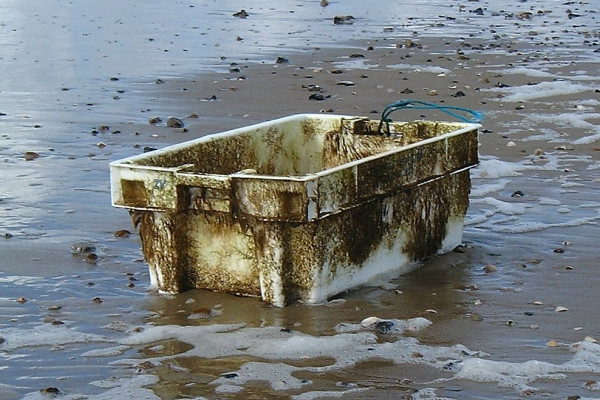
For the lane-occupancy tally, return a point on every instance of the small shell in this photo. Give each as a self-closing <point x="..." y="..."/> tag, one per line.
<point x="370" y="322"/>
<point x="561" y="309"/>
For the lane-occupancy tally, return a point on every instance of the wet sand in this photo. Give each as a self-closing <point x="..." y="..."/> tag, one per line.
<point x="529" y="243"/>
<point x="508" y="310"/>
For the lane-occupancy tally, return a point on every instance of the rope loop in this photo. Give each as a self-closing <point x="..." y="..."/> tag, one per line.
<point x="475" y="116"/>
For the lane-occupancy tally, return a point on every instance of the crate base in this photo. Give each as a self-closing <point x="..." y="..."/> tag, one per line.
<point x="284" y="262"/>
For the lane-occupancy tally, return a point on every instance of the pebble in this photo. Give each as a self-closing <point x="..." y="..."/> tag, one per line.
<point x="489" y="268"/>
<point x="343" y="20"/>
<point x="381" y="325"/>
<point x="31" y="155"/>
<point x="241" y="14"/>
<point x="82" y="248"/>
<point x="552" y="343"/>
<point x="313" y="88"/>
<point x="369" y="322"/>
<point x="476" y="317"/>
<point x="50" y="390"/>
<point x="174" y="122"/>
<point x="21" y="300"/>
<point x="316" y="97"/>
<point x="155" y="120"/>
<point x="122" y="233"/>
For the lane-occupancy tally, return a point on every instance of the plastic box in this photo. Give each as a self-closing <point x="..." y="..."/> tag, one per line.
<point x="298" y="208"/>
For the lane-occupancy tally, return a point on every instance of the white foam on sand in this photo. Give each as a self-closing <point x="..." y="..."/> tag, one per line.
<point x="507" y="213"/>
<point x="270" y="350"/>
<point x="44" y="335"/>
<point x="535" y="226"/>
<point x="327" y="394"/>
<point x="523" y="93"/>
<point x="433" y="69"/>
<point x="492" y="168"/>
<point x="133" y="388"/>
<point x="533" y="72"/>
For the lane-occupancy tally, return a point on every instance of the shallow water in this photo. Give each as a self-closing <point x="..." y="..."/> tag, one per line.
<point x="93" y="329"/>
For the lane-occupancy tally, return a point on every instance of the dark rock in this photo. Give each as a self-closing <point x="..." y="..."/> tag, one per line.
<point x="241" y="14"/>
<point x="384" y="326"/>
<point x="343" y="20"/>
<point x="50" y="390"/>
<point x="174" y="122"/>
<point x="91" y="258"/>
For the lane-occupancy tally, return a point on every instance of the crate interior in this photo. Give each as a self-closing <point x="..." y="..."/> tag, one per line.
<point x="297" y="147"/>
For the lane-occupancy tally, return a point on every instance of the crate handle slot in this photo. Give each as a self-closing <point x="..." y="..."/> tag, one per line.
<point x="476" y="116"/>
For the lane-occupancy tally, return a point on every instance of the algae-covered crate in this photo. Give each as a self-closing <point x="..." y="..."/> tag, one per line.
<point x="298" y="208"/>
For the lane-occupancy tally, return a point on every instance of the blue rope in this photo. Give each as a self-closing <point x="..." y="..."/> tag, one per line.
<point x="476" y="116"/>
